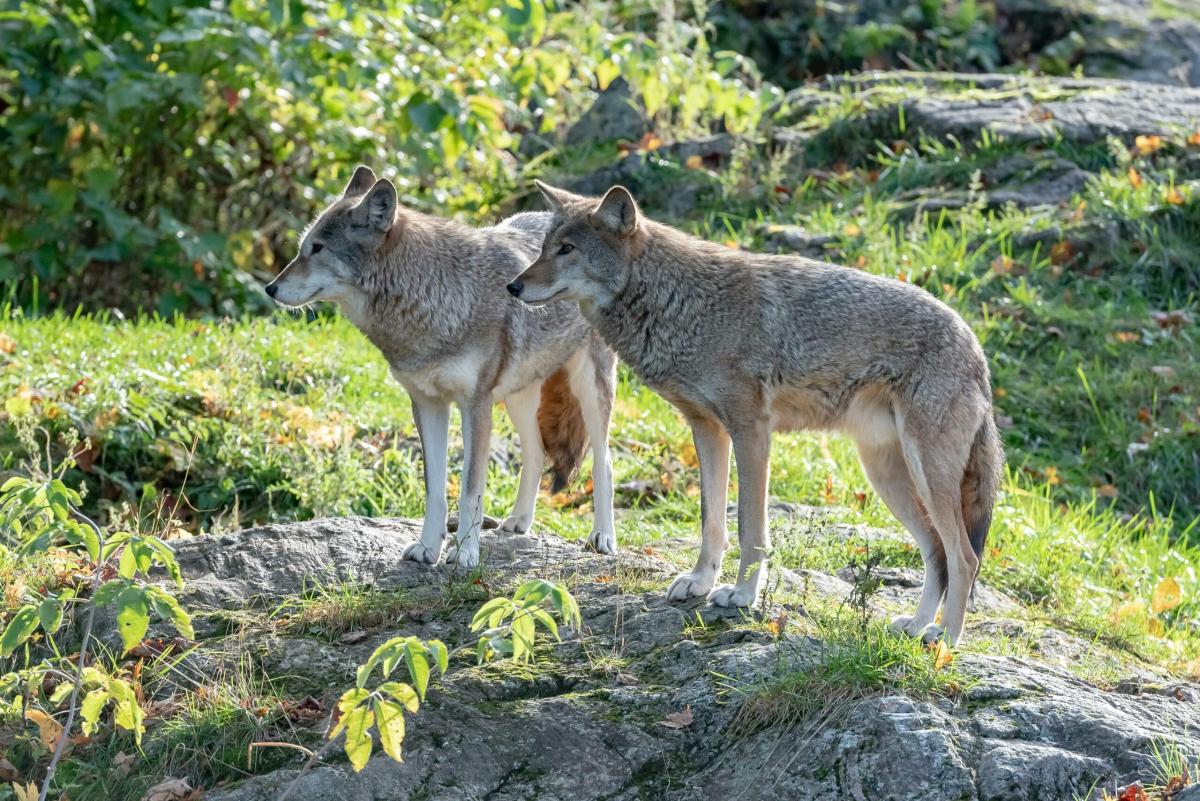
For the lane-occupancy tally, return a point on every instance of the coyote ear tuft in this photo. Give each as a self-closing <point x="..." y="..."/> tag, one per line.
<point x="379" y="206"/>
<point x="360" y="183"/>
<point x="556" y="198"/>
<point x="617" y="213"/>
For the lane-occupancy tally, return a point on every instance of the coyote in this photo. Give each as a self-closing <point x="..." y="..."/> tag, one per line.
<point x="428" y="292"/>
<point x="745" y="344"/>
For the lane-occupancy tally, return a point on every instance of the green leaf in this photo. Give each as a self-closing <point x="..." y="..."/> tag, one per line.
<point x="390" y="719"/>
<point x="543" y="617"/>
<point x="108" y="592"/>
<point x="346" y="704"/>
<point x="169" y="607"/>
<point x="533" y="591"/>
<point x="136" y="558"/>
<point x="441" y="656"/>
<point x="91" y="707"/>
<point x="128" y="714"/>
<point x="23" y="624"/>
<point x="403" y="693"/>
<point x="481" y="617"/>
<point x="523" y="632"/>
<point x="166" y="557"/>
<point x="418" y="667"/>
<point x="133" y="616"/>
<point x="358" y="736"/>
<point x="50" y="613"/>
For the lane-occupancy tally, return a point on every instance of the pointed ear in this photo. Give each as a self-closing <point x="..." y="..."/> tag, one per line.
<point x="362" y="180"/>
<point x="378" y="208"/>
<point x="556" y="198"/>
<point x="617" y="213"/>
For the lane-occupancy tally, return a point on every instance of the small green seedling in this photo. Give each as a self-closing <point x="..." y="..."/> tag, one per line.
<point x="511" y="623"/>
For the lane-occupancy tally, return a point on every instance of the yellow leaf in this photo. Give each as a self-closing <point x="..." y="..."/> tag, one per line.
<point x="687" y="455"/>
<point x="49" y="730"/>
<point x="1155" y="627"/>
<point x="7" y="343"/>
<point x="852" y="229"/>
<point x="943" y="656"/>
<point x="1167" y="595"/>
<point x="693" y="162"/>
<point x="731" y="244"/>
<point x="27" y="793"/>
<point x="1135" y="178"/>
<point x="1127" y="610"/>
<point x="1147" y="144"/>
<point x="1194" y="139"/>
<point x="1174" y="197"/>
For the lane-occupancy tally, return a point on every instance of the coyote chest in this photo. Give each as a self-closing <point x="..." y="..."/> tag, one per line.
<point x="462" y="376"/>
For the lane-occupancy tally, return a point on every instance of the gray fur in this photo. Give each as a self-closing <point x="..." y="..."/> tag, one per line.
<point x="746" y="344"/>
<point x="429" y="293"/>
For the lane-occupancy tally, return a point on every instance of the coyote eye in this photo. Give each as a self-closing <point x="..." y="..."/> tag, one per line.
<point x="565" y="249"/>
<point x="317" y="247"/>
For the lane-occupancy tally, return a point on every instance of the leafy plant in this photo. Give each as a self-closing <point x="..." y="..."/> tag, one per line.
<point x="360" y="709"/>
<point x="41" y="518"/>
<point x="511" y="623"/>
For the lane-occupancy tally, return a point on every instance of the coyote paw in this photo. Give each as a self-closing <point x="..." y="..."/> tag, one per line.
<point x="933" y="634"/>
<point x="465" y="556"/>
<point x="690" y="585"/>
<point x="420" y="552"/>
<point x="729" y="595"/>
<point x="903" y="624"/>
<point x="602" y="542"/>
<point x="516" y="524"/>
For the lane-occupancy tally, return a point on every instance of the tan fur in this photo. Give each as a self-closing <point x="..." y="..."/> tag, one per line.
<point x="564" y="436"/>
<point x="746" y="344"/>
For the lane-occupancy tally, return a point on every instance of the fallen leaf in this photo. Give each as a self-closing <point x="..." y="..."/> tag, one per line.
<point x="304" y="711"/>
<point x="49" y="729"/>
<point x="1061" y="252"/>
<point x="1163" y="371"/>
<point x="1174" y="197"/>
<point x="1107" y="491"/>
<point x="852" y="229"/>
<point x="1052" y="476"/>
<point x="123" y="763"/>
<point x="943" y="656"/>
<point x="694" y="162"/>
<point x="8" y="771"/>
<point x="1173" y="320"/>
<point x="1127" y="336"/>
<point x="679" y="720"/>
<point x="1135" y="178"/>
<point x="648" y="550"/>
<point x="7" y="343"/>
<point x="1167" y="595"/>
<point x="352" y="637"/>
<point x="777" y="625"/>
<point x="648" y="143"/>
<point x="169" y="790"/>
<point x="1147" y="144"/>
<point x="27" y="793"/>
<point x="1133" y="792"/>
<point x="1194" y="139"/>
<point x="603" y="579"/>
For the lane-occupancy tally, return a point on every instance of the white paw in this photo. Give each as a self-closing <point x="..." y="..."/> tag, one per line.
<point x="933" y="633"/>
<point x="602" y="542"/>
<point x="690" y="585"/>
<point x="731" y="595"/>
<point x="465" y="555"/>
<point x="903" y="624"/>
<point x="420" y="552"/>
<point x="516" y="524"/>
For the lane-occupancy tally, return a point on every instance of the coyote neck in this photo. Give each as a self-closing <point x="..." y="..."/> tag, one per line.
<point x="421" y="291"/>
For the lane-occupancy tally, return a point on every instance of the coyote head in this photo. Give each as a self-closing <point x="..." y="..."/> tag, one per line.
<point x="343" y="240"/>
<point x="586" y="253"/>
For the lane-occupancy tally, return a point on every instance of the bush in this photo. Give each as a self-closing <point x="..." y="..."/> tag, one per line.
<point x="159" y="155"/>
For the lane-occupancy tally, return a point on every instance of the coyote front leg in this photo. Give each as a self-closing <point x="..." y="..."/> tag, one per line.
<point x="712" y="448"/>
<point x="433" y="427"/>
<point x="477" y="439"/>
<point x="752" y="450"/>
<point x="523" y="409"/>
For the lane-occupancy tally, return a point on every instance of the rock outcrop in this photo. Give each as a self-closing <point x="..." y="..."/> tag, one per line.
<point x="586" y="722"/>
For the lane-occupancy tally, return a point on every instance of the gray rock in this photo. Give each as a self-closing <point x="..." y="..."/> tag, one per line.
<point x="587" y="722"/>
<point x="615" y="116"/>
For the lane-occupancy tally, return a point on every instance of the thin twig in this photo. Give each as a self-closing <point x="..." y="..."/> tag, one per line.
<point x="97" y="578"/>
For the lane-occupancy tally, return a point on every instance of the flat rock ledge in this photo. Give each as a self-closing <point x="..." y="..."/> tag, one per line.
<point x="587" y="723"/>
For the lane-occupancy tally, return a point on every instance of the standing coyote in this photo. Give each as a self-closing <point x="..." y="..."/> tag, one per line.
<point x="746" y="344"/>
<point x="428" y="292"/>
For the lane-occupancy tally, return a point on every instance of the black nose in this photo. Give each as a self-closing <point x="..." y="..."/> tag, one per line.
<point x="515" y="288"/>
<point x="272" y="289"/>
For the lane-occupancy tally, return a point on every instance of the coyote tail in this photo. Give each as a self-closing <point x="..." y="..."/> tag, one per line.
<point x="981" y="482"/>
<point x="564" y="436"/>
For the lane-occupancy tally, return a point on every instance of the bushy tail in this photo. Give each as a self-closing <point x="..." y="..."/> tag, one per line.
<point x="564" y="435"/>
<point x="981" y="482"/>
